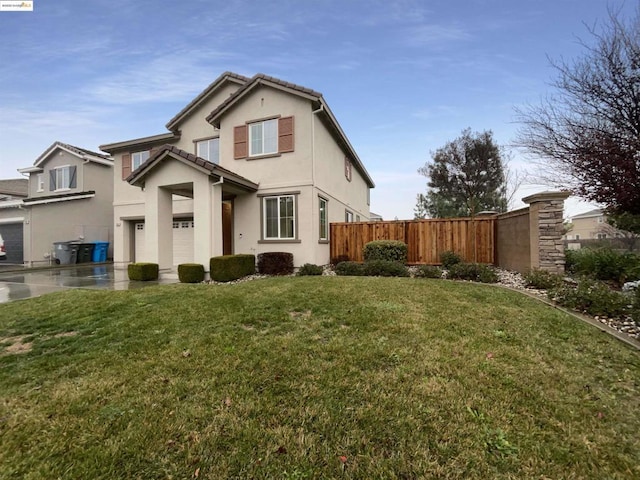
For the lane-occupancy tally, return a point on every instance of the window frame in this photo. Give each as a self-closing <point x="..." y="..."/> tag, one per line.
<point x="40" y="182"/>
<point x="263" y="152"/>
<point x="58" y="170"/>
<point x="263" y="218"/>
<point x="348" y="216"/>
<point x="142" y="160"/>
<point x="321" y="238"/>
<point x="200" y="141"/>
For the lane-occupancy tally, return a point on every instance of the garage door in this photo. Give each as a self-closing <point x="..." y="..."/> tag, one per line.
<point x="182" y="241"/>
<point x="13" y="241"/>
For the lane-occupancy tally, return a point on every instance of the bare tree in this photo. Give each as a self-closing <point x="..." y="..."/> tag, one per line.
<point x="587" y="135"/>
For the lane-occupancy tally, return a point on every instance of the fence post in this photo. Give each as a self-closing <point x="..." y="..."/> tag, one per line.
<point x="545" y="230"/>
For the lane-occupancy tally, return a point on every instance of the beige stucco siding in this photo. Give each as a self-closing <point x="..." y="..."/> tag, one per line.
<point x="58" y="158"/>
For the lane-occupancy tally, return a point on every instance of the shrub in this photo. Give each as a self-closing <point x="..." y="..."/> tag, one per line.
<point x="542" y="279"/>
<point x="190" y="272"/>
<point x="143" y="271"/>
<point x="385" y="268"/>
<point x="635" y="308"/>
<point x="477" y="272"/>
<point x="603" y="264"/>
<point x="227" y="268"/>
<point x="428" y="271"/>
<point x="310" y="269"/>
<point x="275" y="263"/>
<point x="353" y="269"/>
<point x="590" y="296"/>
<point x="449" y="258"/>
<point x="390" y="250"/>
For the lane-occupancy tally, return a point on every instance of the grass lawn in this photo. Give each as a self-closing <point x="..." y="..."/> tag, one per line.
<point x="312" y="377"/>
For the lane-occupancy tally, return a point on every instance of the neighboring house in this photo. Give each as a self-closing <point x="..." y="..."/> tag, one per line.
<point x="70" y="197"/>
<point x="12" y="191"/>
<point x="592" y="225"/>
<point x="250" y="165"/>
<point x="374" y="217"/>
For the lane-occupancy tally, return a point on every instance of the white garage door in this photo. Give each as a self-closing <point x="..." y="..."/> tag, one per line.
<point x="182" y="241"/>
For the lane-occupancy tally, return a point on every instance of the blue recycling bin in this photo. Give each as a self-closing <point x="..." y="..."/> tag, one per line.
<point x="100" y="251"/>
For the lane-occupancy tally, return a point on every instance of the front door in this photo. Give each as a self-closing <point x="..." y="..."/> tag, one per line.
<point x="227" y="228"/>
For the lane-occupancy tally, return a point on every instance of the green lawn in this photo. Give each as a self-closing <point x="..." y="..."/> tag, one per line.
<point x="312" y="377"/>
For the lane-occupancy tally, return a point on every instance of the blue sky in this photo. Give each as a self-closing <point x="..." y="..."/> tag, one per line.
<point x="403" y="77"/>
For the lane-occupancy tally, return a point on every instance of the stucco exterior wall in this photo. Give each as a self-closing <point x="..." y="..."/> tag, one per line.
<point x="61" y="158"/>
<point x="513" y="247"/>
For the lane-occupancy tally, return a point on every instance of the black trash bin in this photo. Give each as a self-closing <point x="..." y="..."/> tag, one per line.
<point x="65" y="253"/>
<point x="85" y="252"/>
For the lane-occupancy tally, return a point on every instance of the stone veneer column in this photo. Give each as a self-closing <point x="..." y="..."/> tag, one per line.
<point x="546" y="229"/>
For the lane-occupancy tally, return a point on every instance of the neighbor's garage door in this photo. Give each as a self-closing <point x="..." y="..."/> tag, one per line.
<point x="12" y="235"/>
<point x="182" y="241"/>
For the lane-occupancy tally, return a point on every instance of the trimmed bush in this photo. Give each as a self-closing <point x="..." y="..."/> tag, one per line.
<point x="477" y="272"/>
<point x="190" y="272"/>
<point x="227" y="268"/>
<point x="389" y="250"/>
<point x="385" y="268"/>
<point x="449" y="258"/>
<point x="603" y="264"/>
<point x="428" y="271"/>
<point x="542" y="279"/>
<point x="592" y="297"/>
<point x="275" y="263"/>
<point x="353" y="269"/>
<point x="143" y="271"/>
<point x="310" y="269"/>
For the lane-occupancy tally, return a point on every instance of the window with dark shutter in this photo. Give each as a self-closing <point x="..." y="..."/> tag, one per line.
<point x="52" y="180"/>
<point x="126" y="165"/>
<point x="285" y="135"/>
<point x="240" y="142"/>
<point x="72" y="177"/>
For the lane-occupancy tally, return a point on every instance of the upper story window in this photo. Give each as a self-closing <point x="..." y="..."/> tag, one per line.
<point x="62" y="178"/>
<point x="138" y="158"/>
<point x="209" y="149"/>
<point x="347" y="168"/>
<point x="40" y="182"/>
<point x="263" y="137"/>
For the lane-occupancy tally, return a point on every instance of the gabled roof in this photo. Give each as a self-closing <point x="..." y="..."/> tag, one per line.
<point x="202" y="97"/>
<point x="591" y="213"/>
<point x="139" y="174"/>
<point x="81" y="153"/>
<point x="317" y="102"/>
<point x="15" y="187"/>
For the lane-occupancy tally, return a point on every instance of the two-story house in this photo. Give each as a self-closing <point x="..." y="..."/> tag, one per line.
<point x="70" y="197"/>
<point x="250" y="165"/>
<point x="592" y="225"/>
<point x="12" y="191"/>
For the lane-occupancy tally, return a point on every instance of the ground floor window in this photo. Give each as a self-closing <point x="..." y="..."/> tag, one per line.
<point x="279" y="217"/>
<point x="324" y="225"/>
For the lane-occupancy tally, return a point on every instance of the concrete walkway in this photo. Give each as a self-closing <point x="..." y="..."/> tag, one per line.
<point x="28" y="283"/>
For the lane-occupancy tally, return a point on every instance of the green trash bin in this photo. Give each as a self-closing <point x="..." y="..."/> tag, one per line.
<point x="85" y="252"/>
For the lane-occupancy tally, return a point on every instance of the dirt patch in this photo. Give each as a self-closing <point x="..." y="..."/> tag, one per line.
<point x="65" y="334"/>
<point x="15" y="345"/>
<point x="300" y="315"/>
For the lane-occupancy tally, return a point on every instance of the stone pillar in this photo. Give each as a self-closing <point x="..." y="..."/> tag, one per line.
<point x="158" y="235"/>
<point x="546" y="230"/>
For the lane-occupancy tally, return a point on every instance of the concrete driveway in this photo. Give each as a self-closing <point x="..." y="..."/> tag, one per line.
<point x="17" y="285"/>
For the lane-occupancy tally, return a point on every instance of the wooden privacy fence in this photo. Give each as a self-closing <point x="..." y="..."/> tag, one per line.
<point x="473" y="240"/>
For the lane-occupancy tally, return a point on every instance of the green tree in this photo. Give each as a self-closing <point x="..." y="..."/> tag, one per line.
<point x="466" y="176"/>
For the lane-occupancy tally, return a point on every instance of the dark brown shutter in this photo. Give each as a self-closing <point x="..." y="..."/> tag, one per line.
<point x="126" y="165"/>
<point x="285" y="134"/>
<point x="240" y="142"/>
<point x="52" y="180"/>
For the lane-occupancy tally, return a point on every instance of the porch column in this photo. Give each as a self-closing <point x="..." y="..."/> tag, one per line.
<point x="158" y="211"/>
<point x="217" y="220"/>
<point x="545" y="230"/>
<point x="203" y="220"/>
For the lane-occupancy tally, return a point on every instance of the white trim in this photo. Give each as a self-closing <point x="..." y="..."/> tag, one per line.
<point x="11" y="220"/>
<point x="30" y="169"/>
<point x="63" y="199"/>
<point x="11" y="203"/>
